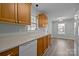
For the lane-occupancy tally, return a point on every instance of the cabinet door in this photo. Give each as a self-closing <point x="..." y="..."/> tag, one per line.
<point x="8" y="12"/>
<point x="42" y="44"/>
<point x="45" y="21"/>
<point x="0" y="10"/>
<point x="11" y="52"/>
<point x="39" y="47"/>
<point x="24" y="13"/>
<point x="45" y="43"/>
<point x="42" y="20"/>
<point x="50" y="40"/>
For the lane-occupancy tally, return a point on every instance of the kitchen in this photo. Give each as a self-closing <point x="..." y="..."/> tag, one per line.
<point x="30" y="29"/>
<point x="15" y="38"/>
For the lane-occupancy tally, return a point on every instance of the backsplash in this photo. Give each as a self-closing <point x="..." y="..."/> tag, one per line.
<point x="15" y="28"/>
<point x="11" y="28"/>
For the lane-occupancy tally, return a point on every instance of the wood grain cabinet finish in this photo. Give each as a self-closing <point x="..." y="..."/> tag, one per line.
<point x="11" y="52"/>
<point x="15" y="13"/>
<point x="24" y="13"/>
<point x="45" y="43"/>
<point x="39" y="47"/>
<point x="0" y="10"/>
<point x="42" y="44"/>
<point x="7" y="12"/>
<point x="49" y="40"/>
<point x="42" y="20"/>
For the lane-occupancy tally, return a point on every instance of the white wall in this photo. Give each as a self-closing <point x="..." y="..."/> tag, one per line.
<point x="49" y="25"/>
<point x="11" y="28"/>
<point x="67" y="12"/>
<point x="52" y="28"/>
<point x="69" y="29"/>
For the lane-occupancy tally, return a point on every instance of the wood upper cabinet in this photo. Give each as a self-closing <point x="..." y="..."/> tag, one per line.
<point x="7" y="12"/>
<point x="24" y="13"/>
<point x="42" y="20"/>
<point x="15" y="13"/>
<point x="11" y="52"/>
<point x="0" y="10"/>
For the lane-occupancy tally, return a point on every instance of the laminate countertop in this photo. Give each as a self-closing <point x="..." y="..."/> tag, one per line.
<point x="9" y="41"/>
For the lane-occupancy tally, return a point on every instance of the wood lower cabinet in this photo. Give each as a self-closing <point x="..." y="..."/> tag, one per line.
<point x="45" y="46"/>
<point x="11" y="52"/>
<point x="42" y="44"/>
<point x="49" y="40"/>
<point x="40" y="47"/>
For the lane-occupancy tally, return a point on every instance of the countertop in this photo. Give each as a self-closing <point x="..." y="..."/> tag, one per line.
<point x="8" y="41"/>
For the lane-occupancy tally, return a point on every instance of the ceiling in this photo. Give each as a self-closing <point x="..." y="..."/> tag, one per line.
<point x="55" y="10"/>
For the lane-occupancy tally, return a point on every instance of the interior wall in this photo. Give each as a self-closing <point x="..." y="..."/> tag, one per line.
<point x="69" y="29"/>
<point x="11" y="28"/>
<point x="69" y="13"/>
<point x="49" y="25"/>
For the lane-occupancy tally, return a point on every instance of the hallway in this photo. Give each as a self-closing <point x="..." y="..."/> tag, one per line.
<point x="61" y="47"/>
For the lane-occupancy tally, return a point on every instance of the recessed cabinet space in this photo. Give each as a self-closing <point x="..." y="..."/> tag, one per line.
<point x="28" y="49"/>
<point x="43" y="44"/>
<point x="7" y="12"/>
<point x="24" y="13"/>
<point x="42" y="20"/>
<point x="11" y="52"/>
<point x="19" y="13"/>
